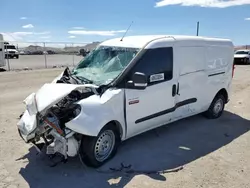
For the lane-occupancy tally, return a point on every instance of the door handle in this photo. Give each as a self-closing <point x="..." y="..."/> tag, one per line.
<point x="174" y="90"/>
<point x="178" y="89"/>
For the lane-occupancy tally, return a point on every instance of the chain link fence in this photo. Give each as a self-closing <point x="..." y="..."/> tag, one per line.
<point x="247" y="47"/>
<point x="37" y="55"/>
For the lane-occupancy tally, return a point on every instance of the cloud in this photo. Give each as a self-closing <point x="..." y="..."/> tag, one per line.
<point x="23" y="18"/>
<point x="29" y="26"/>
<point x="78" y="28"/>
<point x="203" y="3"/>
<point x="19" y="36"/>
<point x="248" y="19"/>
<point x="15" y="36"/>
<point x="42" y="33"/>
<point x="100" y="33"/>
<point x="72" y="37"/>
<point x="45" y="37"/>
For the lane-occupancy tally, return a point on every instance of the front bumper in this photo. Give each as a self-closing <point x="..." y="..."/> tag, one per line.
<point x="241" y="60"/>
<point x="11" y="55"/>
<point x="65" y="143"/>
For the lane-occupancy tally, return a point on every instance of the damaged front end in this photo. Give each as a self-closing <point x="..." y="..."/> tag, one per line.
<point x="47" y="112"/>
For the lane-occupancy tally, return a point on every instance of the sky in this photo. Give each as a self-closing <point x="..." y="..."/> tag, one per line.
<point x="80" y="21"/>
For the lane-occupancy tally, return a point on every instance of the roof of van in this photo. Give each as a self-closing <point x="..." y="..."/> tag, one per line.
<point x="141" y="40"/>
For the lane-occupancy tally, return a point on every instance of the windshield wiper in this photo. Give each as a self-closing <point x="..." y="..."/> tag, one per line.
<point x="83" y="79"/>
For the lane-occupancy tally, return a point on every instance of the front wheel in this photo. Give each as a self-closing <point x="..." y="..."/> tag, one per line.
<point x="216" y="108"/>
<point x="96" y="151"/>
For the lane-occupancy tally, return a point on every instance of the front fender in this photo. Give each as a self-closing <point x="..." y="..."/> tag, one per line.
<point x="97" y="111"/>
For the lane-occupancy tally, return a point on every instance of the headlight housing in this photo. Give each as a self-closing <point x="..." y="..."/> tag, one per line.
<point x="77" y="110"/>
<point x="31" y="105"/>
<point x="72" y="112"/>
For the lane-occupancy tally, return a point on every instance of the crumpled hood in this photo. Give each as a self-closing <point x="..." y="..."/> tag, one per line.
<point x="47" y="96"/>
<point x="50" y="94"/>
<point x="240" y="55"/>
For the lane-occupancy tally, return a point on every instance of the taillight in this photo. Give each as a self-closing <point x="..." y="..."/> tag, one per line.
<point x="233" y="70"/>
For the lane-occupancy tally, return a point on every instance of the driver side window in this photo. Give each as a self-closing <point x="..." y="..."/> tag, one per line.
<point x="156" y="64"/>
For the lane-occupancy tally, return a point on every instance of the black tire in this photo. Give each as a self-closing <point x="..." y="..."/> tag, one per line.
<point x="17" y="56"/>
<point x="213" y="112"/>
<point x="89" y="146"/>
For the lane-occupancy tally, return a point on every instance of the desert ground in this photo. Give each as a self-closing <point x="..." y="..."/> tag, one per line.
<point x="213" y="153"/>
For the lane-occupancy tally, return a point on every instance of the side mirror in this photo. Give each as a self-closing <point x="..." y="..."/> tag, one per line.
<point x="139" y="81"/>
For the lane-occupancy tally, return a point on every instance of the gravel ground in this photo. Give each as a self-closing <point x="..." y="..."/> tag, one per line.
<point x="214" y="153"/>
<point x="38" y="61"/>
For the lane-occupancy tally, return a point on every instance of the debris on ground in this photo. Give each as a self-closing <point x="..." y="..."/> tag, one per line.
<point x="27" y="68"/>
<point x="129" y="170"/>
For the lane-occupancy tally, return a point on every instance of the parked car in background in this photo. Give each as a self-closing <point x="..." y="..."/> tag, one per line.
<point x="50" y="52"/>
<point x="39" y="52"/>
<point x="83" y="52"/>
<point x="10" y="51"/>
<point x="242" y="57"/>
<point x="24" y="52"/>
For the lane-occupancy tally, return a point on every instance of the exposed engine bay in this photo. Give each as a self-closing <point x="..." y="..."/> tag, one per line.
<point x="50" y="122"/>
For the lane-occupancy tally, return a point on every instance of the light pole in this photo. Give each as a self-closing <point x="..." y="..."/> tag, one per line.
<point x="198" y="27"/>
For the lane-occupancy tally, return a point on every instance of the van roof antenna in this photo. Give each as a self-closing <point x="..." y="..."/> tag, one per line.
<point x="126" y="31"/>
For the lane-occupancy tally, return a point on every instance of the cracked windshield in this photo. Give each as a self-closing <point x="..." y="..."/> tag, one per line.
<point x="104" y="64"/>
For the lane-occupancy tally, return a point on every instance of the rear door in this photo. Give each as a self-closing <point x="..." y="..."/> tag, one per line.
<point x="152" y="107"/>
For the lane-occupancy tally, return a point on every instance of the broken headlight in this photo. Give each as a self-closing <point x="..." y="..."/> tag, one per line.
<point x="66" y="114"/>
<point x="73" y="111"/>
<point x="77" y="110"/>
<point x="31" y="105"/>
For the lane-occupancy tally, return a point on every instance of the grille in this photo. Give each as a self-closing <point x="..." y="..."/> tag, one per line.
<point x="239" y="60"/>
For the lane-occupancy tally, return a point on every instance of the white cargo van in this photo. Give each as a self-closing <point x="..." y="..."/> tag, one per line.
<point x="126" y="87"/>
<point x="2" y="60"/>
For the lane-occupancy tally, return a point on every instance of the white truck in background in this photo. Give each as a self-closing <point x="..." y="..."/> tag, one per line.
<point x="10" y="51"/>
<point x="2" y="56"/>
<point x="242" y="56"/>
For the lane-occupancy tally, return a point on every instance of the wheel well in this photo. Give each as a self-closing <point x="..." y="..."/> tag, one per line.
<point x="224" y="93"/>
<point x="117" y="126"/>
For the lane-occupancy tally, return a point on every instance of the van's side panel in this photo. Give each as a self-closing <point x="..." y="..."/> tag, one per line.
<point x="191" y="61"/>
<point x="205" y="67"/>
<point x="219" y="60"/>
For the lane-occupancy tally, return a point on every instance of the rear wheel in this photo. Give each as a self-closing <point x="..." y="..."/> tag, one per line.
<point x="96" y="151"/>
<point x="216" y="108"/>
